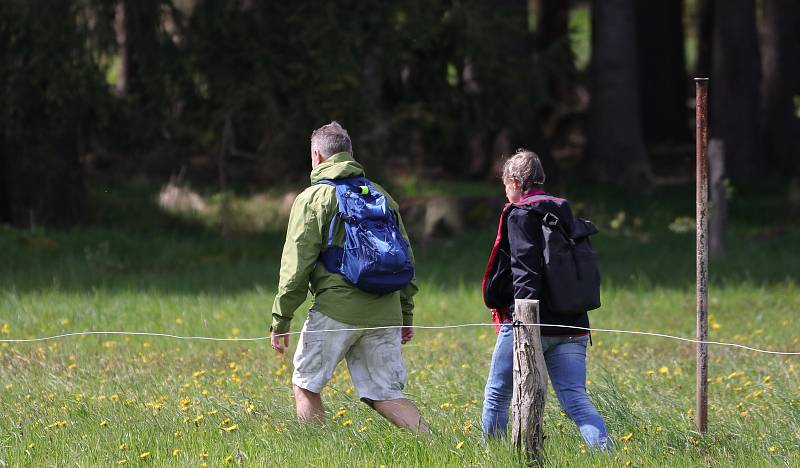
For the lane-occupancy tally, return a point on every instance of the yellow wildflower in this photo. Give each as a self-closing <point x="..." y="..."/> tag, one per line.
<point x="57" y="425"/>
<point x="176" y="452"/>
<point x="144" y="456"/>
<point x="347" y="423"/>
<point x="626" y="437"/>
<point x="104" y="423"/>
<point x="460" y="445"/>
<point x="231" y="428"/>
<point x="229" y="459"/>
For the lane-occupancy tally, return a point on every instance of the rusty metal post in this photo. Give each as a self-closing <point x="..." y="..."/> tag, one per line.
<point x="701" y="116"/>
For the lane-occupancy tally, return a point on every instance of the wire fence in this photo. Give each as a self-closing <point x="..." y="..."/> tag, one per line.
<point x="422" y="327"/>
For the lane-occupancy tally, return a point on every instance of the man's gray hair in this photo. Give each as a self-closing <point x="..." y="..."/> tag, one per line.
<point x="331" y="139"/>
<point x="525" y="167"/>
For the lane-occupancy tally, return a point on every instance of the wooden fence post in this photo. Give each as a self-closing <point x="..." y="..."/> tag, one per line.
<point x="530" y="382"/>
<point x="719" y="202"/>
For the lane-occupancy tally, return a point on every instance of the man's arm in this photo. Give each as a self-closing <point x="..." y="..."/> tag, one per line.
<point x="300" y="253"/>
<point x="526" y="254"/>
<point x="410" y="290"/>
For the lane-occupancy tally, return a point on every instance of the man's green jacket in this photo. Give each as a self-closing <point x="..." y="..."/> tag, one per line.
<point x="307" y="237"/>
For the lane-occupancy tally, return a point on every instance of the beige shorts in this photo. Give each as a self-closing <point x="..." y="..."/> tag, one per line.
<point x="374" y="358"/>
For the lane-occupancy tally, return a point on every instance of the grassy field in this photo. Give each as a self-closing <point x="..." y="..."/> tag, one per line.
<point x="115" y="400"/>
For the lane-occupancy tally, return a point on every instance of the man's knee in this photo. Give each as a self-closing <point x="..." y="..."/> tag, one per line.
<point x="300" y="392"/>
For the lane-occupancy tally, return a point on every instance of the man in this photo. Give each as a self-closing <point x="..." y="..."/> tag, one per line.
<point x="374" y="357"/>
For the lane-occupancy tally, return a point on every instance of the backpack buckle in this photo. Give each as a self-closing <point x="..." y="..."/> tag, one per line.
<point x="550" y="220"/>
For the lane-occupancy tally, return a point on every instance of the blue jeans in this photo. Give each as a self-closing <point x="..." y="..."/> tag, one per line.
<point x="565" y="357"/>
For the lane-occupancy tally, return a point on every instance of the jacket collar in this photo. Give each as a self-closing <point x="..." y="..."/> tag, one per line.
<point x="338" y="166"/>
<point x="536" y="191"/>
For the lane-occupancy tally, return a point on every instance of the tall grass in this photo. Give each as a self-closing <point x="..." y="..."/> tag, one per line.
<point x="135" y="400"/>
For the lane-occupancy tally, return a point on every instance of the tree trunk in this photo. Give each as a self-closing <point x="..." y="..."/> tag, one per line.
<point x="615" y="142"/>
<point x="121" y="37"/>
<point x="734" y="86"/>
<point x="526" y="130"/>
<point x="141" y="24"/>
<point x="718" y="228"/>
<point x="63" y="199"/>
<point x="552" y="40"/>
<point x="662" y="71"/>
<point x="780" y="130"/>
<point x="552" y="22"/>
<point x="5" y="201"/>
<point x="705" y="35"/>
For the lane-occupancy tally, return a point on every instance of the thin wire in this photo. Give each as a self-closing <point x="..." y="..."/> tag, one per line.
<point x="424" y="327"/>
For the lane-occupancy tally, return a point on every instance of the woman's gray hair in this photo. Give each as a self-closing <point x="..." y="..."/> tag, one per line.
<point x="525" y="167"/>
<point x="331" y="139"/>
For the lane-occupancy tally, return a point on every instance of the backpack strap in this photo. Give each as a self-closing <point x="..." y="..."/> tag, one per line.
<point x="341" y="186"/>
<point x="338" y="213"/>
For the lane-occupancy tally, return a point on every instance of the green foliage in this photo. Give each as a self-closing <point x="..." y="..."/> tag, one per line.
<point x="51" y="97"/>
<point x="580" y="26"/>
<point x="410" y="79"/>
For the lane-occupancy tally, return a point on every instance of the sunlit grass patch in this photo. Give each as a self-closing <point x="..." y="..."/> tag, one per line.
<point x="109" y="400"/>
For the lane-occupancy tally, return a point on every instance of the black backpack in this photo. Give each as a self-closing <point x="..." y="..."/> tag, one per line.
<point x="569" y="262"/>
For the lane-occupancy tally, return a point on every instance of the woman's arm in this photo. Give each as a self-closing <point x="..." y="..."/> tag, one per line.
<point x="524" y="236"/>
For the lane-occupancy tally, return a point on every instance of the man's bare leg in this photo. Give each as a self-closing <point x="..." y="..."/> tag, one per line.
<point x="402" y="413"/>
<point x="309" y="405"/>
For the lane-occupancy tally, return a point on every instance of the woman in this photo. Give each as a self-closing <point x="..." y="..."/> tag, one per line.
<point x="515" y="272"/>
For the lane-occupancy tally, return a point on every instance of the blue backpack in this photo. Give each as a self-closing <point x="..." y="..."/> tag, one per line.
<point x="375" y="257"/>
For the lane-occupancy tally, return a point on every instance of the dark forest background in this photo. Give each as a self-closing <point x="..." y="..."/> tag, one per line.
<point x="225" y="93"/>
